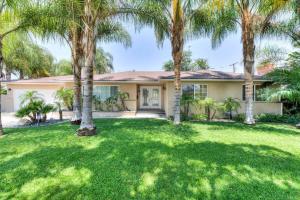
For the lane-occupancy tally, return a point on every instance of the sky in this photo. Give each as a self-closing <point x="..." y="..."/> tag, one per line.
<point x="145" y="55"/>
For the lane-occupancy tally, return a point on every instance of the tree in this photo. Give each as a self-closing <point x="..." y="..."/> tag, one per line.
<point x="103" y="62"/>
<point x="253" y="17"/>
<point x="65" y="19"/>
<point x="15" y="15"/>
<point x="63" y="67"/>
<point x="270" y="55"/>
<point x="174" y="19"/>
<point x="187" y="63"/>
<point x="200" y="64"/>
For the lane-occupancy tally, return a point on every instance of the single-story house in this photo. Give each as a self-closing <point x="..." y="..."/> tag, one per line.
<point x="149" y="90"/>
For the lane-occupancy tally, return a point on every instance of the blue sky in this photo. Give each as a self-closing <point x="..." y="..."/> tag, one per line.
<point x="145" y="54"/>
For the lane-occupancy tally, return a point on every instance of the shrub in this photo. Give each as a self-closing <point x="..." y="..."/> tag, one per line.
<point x="230" y="105"/>
<point x="290" y="119"/>
<point x="199" y="117"/>
<point x="186" y="101"/>
<point x="32" y="109"/>
<point x="65" y="96"/>
<point x="122" y="96"/>
<point x="239" y="117"/>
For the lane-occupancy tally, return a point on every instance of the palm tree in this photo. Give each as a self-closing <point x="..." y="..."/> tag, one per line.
<point x="103" y="62"/>
<point x="173" y="19"/>
<point x="65" y="20"/>
<point x="231" y="104"/>
<point x="15" y="15"/>
<point x="253" y="17"/>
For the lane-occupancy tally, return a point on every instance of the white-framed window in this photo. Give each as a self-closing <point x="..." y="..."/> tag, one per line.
<point x="104" y="92"/>
<point x="256" y="89"/>
<point x="198" y="91"/>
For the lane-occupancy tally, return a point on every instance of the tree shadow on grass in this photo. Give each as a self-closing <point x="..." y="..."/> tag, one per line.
<point x="137" y="169"/>
<point x="266" y="128"/>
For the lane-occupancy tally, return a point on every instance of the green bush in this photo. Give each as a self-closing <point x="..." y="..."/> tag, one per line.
<point x="239" y="117"/>
<point x="290" y="119"/>
<point x="33" y="108"/>
<point x="200" y="117"/>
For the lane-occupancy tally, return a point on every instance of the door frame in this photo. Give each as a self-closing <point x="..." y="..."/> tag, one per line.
<point x="141" y="96"/>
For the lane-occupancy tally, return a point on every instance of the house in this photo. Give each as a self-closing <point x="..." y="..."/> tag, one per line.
<point x="149" y="90"/>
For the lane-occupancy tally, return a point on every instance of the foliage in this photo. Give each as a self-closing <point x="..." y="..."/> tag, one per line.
<point x="239" y="117"/>
<point x="24" y="58"/>
<point x="34" y="108"/>
<point x="287" y="78"/>
<point x="199" y="117"/>
<point x="65" y="96"/>
<point x="186" y="102"/>
<point x="202" y="155"/>
<point x="103" y="62"/>
<point x="63" y="67"/>
<point x="270" y="55"/>
<point x="289" y="119"/>
<point x="3" y="91"/>
<point x="30" y="97"/>
<point x="187" y="63"/>
<point x="122" y="97"/>
<point x="231" y="104"/>
<point x="111" y="102"/>
<point x="98" y="103"/>
<point x="210" y="105"/>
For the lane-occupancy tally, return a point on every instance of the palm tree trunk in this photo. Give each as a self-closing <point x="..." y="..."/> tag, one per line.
<point x="1" y="76"/>
<point x="248" y="55"/>
<point x="87" y="127"/>
<point x="177" y="48"/>
<point x="77" y="62"/>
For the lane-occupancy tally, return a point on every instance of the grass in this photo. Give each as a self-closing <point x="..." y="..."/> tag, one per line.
<point x="151" y="159"/>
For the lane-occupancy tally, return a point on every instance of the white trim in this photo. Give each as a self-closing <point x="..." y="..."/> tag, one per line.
<point x="194" y="87"/>
<point x="141" y="97"/>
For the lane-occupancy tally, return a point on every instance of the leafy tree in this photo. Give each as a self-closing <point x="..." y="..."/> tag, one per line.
<point x="187" y="63"/>
<point x="230" y="105"/>
<point x="24" y="58"/>
<point x="63" y="67"/>
<point x="200" y="64"/>
<point x="15" y="15"/>
<point x="286" y="80"/>
<point x="103" y="62"/>
<point x="254" y="18"/>
<point x="270" y="55"/>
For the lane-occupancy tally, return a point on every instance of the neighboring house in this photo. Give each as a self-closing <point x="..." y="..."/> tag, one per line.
<point x="149" y="90"/>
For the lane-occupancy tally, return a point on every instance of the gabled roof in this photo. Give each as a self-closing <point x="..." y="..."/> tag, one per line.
<point x="147" y="76"/>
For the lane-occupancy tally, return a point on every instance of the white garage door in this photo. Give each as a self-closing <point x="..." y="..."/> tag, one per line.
<point x="47" y="95"/>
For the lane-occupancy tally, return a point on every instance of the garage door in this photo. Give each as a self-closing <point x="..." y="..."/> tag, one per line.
<point x="47" y="95"/>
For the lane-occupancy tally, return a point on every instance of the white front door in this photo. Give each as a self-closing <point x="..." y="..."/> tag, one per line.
<point x="150" y="97"/>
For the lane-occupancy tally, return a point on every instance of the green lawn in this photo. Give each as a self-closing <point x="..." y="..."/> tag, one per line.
<point x="151" y="159"/>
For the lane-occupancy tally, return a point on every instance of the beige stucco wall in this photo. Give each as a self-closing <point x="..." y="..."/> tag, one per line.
<point x="216" y="90"/>
<point x="130" y="88"/>
<point x="219" y="91"/>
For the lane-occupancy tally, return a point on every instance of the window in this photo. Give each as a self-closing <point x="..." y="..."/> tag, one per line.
<point x="195" y="90"/>
<point x="104" y="92"/>
<point x="256" y="91"/>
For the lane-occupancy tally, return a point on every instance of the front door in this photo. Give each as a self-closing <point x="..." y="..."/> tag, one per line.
<point x="150" y="97"/>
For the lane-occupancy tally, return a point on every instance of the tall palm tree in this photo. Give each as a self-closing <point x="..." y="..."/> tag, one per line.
<point x="174" y="19"/>
<point x="253" y="18"/>
<point x="65" y="20"/>
<point x="15" y="15"/>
